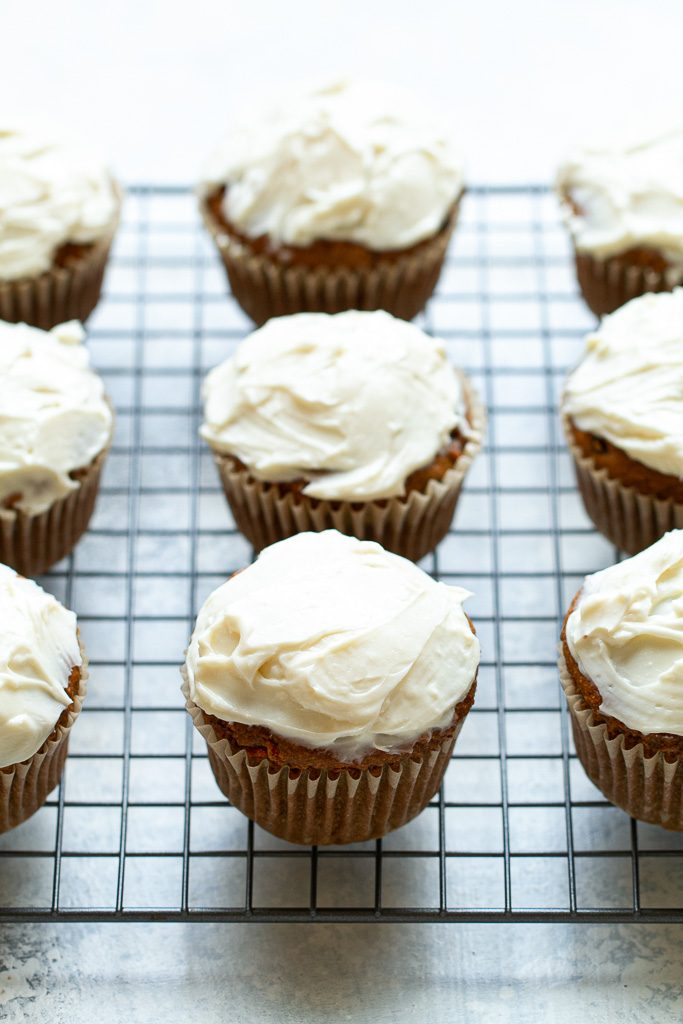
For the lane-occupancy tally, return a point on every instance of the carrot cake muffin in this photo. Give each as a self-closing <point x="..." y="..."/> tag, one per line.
<point x="55" y="430"/>
<point x="623" y="416"/>
<point x="42" y="685"/>
<point x="334" y="198"/>
<point x="624" y="209"/>
<point x="354" y="421"/>
<point x="621" y="669"/>
<point x="330" y="680"/>
<point x="59" y="208"/>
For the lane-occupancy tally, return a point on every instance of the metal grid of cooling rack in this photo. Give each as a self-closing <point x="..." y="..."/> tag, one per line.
<point x="138" y="829"/>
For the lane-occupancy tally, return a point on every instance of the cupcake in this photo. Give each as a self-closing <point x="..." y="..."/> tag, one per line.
<point x="621" y="667"/>
<point x="42" y="685"/>
<point x="59" y="208"/>
<point x="55" y="430"/>
<point x="330" y="680"/>
<point x="340" y="197"/>
<point x="622" y="411"/>
<point x="624" y="209"/>
<point x="355" y="421"/>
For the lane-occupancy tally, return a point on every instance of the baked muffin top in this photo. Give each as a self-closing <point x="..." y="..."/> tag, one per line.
<point x="352" y="402"/>
<point x="626" y="636"/>
<point x="626" y="197"/>
<point x="349" y="161"/>
<point x="38" y="650"/>
<point x="52" y="192"/>
<point x="628" y="388"/>
<point x="54" y="417"/>
<point x="332" y="642"/>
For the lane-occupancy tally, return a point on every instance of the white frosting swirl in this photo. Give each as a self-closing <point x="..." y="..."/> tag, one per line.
<point x="53" y="414"/>
<point x="332" y="642"/>
<point x="51" y="192"/>
<point x="351" y="161"/>
<point x="38" y="650"/>
<point x="626" y="636"/>
<point x="628" y="388"/>
<point x="628" y="196"/>
<point x="353" y="402"/>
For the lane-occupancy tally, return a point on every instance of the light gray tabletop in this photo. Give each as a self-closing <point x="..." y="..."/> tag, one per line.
<point x="293" y="974"/>
<point x="153" y="84"/>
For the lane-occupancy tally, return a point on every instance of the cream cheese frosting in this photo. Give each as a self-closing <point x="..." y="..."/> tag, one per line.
<point x="353" y="402"/>
<point x="51" y="193"/>
<point x="626" y="635"/>
<point x="628" y="196"/>
<point x="53" y="414"/>
<point x="628" y="388"/>
<point x="38" y="649"/>
<point x="349" y="161"/>
<point x="335" y="643"/>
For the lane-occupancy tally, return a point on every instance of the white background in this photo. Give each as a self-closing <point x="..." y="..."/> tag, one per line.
<point x="153" y="85"/>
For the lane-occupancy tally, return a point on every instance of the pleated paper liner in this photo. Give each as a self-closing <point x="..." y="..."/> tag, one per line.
<point x="61" y="293"/>
<point x="606" y="284"/>
<point x="265" y="287"/>
<point x="25" y="787"/>
<point x="631" y="520"/>
<point x="410" y="526"/>
<point x="32" y="543"/>
<point x="647" y="788"/>
<point x="320" y="806"/>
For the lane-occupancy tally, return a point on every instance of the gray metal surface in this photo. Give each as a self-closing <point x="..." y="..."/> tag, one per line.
<point x="138" y="829"/>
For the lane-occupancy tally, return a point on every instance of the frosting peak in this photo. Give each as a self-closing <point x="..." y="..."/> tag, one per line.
<point x="626" y="635"/>
<point x="333" y="642"/>
<point x="627" y="196"/>
<point x="628" y="388"/>
<point x="353" y="402"/>
<point x="350" y="161"/>
<point x="53" y="414"/>
<point x="51" y="193"/>
<point x="38" y="650"/>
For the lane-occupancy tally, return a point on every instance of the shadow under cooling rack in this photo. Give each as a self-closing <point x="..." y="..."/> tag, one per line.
<point x="138" y="829"/>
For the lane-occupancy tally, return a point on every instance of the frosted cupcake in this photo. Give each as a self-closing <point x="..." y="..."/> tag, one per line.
<point x="341" y="197"/>
<point x="59" y="208"/>
<point x="624" y="208"/>
<point x="355" y="421"/>
<point x="330" y="680"/>
<point x="55" y="430"/>
<point x="42" y="685"/>
<point x="621" y="669"/>
<point x="623" y="417"/>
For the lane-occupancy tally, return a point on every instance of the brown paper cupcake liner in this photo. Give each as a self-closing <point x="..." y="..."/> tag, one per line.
<point x="323" y="807"/>
<point x="631" y="520"/>
<point x="265" y="288"/>
<point x="410" y="526"/>
<point x="647" y="788"/>
<point x="25" y="787"/>
<point x="606" y="284"/>
<point x="32" y="543"/>
<point x="63" y="292"/>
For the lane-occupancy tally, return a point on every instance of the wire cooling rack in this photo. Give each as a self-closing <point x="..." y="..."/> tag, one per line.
<point x="138" y="830"/>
